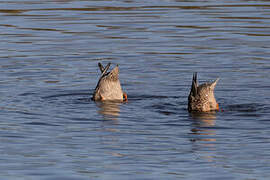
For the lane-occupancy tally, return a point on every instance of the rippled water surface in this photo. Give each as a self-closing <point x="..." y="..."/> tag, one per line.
<point x="50" y="129"/>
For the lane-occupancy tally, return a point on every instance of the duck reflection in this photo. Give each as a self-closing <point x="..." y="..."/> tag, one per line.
<point x="204" y="134"/>
<point x="201" y="125"/>
<point x="204" y="119"/>
<point x="109" y="109"/>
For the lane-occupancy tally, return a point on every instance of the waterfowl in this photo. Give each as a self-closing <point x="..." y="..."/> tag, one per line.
<point x="108" y="86"/>
<point x="201" y="97"/>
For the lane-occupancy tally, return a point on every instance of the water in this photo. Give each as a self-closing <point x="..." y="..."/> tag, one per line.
<point x="50" y="129"/>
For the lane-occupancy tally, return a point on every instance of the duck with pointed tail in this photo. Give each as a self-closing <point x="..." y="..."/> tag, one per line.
<point x="108" y="87"/>
<point x="201" y="97"/>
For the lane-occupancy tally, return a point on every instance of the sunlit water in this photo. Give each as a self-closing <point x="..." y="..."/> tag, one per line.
<point x="50" y="129"/>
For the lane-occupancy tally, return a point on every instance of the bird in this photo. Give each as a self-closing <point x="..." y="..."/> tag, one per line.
<point x="109" y="87"/>
<point x="201" y="97"/>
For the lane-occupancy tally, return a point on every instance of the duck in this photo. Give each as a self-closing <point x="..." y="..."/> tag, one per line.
<point x="201" y="97"/>
<point x="109" y="87"/>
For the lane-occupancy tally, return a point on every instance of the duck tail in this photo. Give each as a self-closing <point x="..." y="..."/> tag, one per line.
<point x="102" y="69"/>
<point x="194" y="86"/>
<point x="213" y="84"/>
<point x="114" y="73"/>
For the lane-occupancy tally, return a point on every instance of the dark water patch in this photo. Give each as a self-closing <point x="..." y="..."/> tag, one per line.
<point x="83" y="100"/>
<point x="253" y="34"/>
<point x="72" y="177"/>
<point x="87" y="96"/>
<point x="167" y="113"/>
<point x="12" y="11"/>
<point x="149" y="97"/>
<point x="163" y="106"/>
<point x="13" y="136"/>
<point x="198" y="127"/>
<point x="29" y="114"/>
<point x="249" y="115"/>
<point x="248" y="108"/>
<point x="246" y="18"/>
<point x="41" y="29"/>
<point x="28" y="94"/>
<point x="166" y="108"/>
<point x="105" y="8"/>
<point x="177" y="123"/>
<point x="56" y="96"/>
<point x="40" y="124"/>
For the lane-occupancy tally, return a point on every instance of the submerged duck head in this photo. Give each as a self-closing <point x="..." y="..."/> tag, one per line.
<point x="109" y="87"/>
<point x="201" y="97"/>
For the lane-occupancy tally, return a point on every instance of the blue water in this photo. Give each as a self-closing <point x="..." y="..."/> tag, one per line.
<point x="50" y="129"/>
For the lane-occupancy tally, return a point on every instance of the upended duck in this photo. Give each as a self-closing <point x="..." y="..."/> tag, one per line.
<point x="108" y="86"/>
<point x="201" y="97"/>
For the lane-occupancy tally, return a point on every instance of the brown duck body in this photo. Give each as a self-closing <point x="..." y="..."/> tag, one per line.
<point x="109" y="86"/>
<point x="201" y="97"/>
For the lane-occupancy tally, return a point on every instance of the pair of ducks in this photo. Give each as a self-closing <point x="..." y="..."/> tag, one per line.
<point x="201" y="97"/>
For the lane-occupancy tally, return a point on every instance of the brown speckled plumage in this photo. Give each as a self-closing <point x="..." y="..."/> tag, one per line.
<point x="108" y="87"/>
<point x="201" y="97"/>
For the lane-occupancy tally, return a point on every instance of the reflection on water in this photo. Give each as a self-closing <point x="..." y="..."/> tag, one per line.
<point x="109" y="109"/>
<point x="204" y="119"/>
<point x="201" y="126"/>
<point x="203" y="134"/>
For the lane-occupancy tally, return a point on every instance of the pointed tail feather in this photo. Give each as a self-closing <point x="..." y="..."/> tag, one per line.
<point x="106" y="69"/>
<point x="114" y="73"/>
<point x="194" y="86"/>
<point x="213" y="84"/>
<point x="101" y="68"/>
